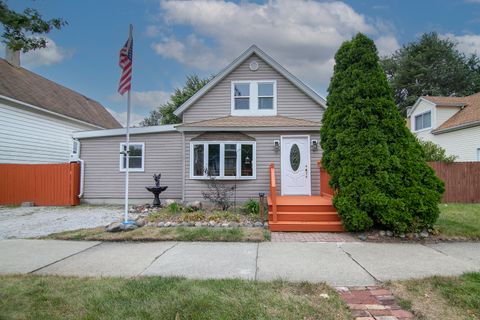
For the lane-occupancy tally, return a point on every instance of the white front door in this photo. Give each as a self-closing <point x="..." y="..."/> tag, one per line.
<point x="295" y="165"/>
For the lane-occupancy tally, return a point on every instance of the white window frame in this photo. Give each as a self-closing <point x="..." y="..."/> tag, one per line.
<point x="222" y="160"/>
<point x="421" y="114"/>
<point x="253" y="109"/>
<point x="120" y="165"/>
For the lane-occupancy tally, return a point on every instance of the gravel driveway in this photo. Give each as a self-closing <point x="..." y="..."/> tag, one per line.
<point x="26" y="222"/>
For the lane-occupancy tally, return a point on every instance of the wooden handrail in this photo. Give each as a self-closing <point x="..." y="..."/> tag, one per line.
<point x="273" y="191"/>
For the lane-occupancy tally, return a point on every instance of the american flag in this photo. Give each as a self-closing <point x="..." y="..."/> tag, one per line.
<point x="125" y="63"/>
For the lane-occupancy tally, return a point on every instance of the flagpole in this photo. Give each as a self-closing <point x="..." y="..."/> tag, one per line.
<point x="127" y="160"/>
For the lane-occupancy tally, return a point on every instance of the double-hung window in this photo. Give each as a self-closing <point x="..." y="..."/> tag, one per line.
<point x="136" y="156"/>
<point x="254" y="98"/>
<point x="423" y="121"/>
<point x="222" y="160"/>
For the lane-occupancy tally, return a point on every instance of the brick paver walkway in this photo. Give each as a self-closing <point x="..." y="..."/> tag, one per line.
<point x="311" y="237"/>
<point x="373" y="303"/>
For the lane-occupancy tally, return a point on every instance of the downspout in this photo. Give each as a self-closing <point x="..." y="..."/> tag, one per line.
<point x="75" y="157"/>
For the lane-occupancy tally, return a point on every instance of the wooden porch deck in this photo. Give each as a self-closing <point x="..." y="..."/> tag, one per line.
<point x="301" y="213"/>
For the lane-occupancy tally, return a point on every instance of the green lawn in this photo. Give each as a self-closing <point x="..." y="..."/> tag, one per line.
<point x="167" y="234"/>
<point x="441" y="297"/>
<point x="459" y="220"/>
<point x="50" y="297"/>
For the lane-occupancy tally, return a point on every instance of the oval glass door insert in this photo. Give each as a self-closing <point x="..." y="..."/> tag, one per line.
<point x="295" y="157"/>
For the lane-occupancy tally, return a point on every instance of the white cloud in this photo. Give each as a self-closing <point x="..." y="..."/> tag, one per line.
<point x="143" y="99"/>
<point x="121" y="117"/>
<point x="302" y="35"/>
<point x="387" y="45"/>
<point x="49" y="55"/>
<point x="152" y="31"/>
<point x="467" y="44"/>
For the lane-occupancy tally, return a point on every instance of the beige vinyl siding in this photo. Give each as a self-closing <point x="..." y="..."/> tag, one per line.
<point x="266" y="154"/>
<point x="291" y="101"/>
<point x="28" y="136"/>
<point x="445" y="113"/>
<point x="104" y="180"/>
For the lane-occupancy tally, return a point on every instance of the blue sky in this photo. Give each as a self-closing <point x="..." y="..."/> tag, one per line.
<point x="176" y="39"/>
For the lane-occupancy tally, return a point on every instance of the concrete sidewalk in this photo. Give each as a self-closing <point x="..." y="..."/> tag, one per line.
<point x="338" y="264"/>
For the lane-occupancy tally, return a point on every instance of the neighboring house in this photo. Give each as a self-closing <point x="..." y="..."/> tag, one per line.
<point x="451" y="122"/>
<point x="38" y="117"/>
<point x="251" y="114"/>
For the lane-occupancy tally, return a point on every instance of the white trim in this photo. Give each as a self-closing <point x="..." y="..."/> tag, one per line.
<point x="239" y="60"/>
<point x="309" y="162"/>
<point x="422" y="114"/>
<point x="49" y="112"/>
<point x="222" y="160"/>
<point x="122" y="131"/>
<point x="257" y="129"/>
<point x="253" y="109"/>
<point x="120" y="164"/>
<point x="415" y="105"/>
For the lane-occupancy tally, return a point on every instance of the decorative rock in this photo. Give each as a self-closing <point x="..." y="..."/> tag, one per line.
<point x="184" y="224"/>
<point x="140" y="222"/>
<point x="195" y="205"/>
<point x="382" y="233"/>
<point x="167" y="224"/>
<point x="389" y="233"/>
<point x="247" y="225"/>
<point x="424" y="234"/>
<point x="130" y="227"/>
<point x="190" y="224"/>
<point x="410" y="235"/>
<point x="324" y="296"/>
<point x="198" y="224"/>
<point x="27" y="204"/>
<point x="211" y="224"/>
<point x="402" y="235"/>
<point x="115" y="227"/>
<point x="362" y="237"/>
<point x="225" y="225"/>
<point x="265" y="225"/>
<point x="204" y="224"/>
<point x="169" y="202"/>
<point x="174" y="224"/>
<point x="258" y="224"/>
<point x="234" y="224"/>
<point x="161" y="224"/>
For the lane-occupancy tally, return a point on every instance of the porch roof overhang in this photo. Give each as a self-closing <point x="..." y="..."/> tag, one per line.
<point x="261" y="123"/>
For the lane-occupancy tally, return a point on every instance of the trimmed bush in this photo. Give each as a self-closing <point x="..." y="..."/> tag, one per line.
<point x="376" y="165"/>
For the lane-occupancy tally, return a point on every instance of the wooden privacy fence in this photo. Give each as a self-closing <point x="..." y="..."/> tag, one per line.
<point x="42" y="184"/>
<point x="462" y="181"/>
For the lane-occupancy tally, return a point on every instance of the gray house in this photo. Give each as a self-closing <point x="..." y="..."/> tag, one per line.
<point x="252" y="114"/>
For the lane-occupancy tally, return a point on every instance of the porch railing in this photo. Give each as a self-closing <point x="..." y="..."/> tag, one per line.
<point x="273" y="191"/>
<point x="325" y="189"/>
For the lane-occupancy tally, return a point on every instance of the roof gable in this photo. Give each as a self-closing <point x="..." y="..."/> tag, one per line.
<point x="237" y="62"/>
<point x="26" y="87"/>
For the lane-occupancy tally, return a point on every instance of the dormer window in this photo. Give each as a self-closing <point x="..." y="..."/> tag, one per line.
<point x="254" y="98"/>
<point x="423" y="121"/>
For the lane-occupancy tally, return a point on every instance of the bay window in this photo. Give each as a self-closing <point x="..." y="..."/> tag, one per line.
<point x="222" y="160"/>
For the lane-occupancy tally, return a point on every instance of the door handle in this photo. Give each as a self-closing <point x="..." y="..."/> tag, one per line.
<point x="306" y="171"/>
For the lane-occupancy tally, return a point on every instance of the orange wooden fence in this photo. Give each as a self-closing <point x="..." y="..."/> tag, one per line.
<point x="462" y="181"/>
<point x="42" y="184"/>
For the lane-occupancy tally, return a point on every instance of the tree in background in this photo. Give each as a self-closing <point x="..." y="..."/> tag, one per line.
<point x="430" y="66"/>
<point x="164" y="114"/>
<point x="376" y="165"/>
<point x="22" y="31"/>
<point x="433" y="152"/>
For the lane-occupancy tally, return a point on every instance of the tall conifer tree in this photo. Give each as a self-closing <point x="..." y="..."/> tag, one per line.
<point x="376" y="165"/>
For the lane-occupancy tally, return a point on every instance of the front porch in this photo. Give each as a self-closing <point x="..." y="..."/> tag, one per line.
<point x="314" y="213"/>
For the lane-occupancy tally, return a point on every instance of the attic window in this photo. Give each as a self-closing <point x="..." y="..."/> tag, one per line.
<point x="423" y="121"/>
<point x="254" y="98"/>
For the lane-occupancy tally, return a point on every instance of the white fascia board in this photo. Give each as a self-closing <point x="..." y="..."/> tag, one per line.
<point x="209" y="129"/>
<point x="123" y="131"/>
<point x="43" y="110"/>
<point x="417" y="103"/>
<point x="455" y="128"/>
<point x="239" y="60"/>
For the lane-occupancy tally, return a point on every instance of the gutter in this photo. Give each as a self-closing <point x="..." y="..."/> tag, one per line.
<point x="459" y="127"/>
<point x="255" y="129"/>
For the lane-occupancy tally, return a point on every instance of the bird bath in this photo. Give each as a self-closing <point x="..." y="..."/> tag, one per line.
<point x="156" y="190"/>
